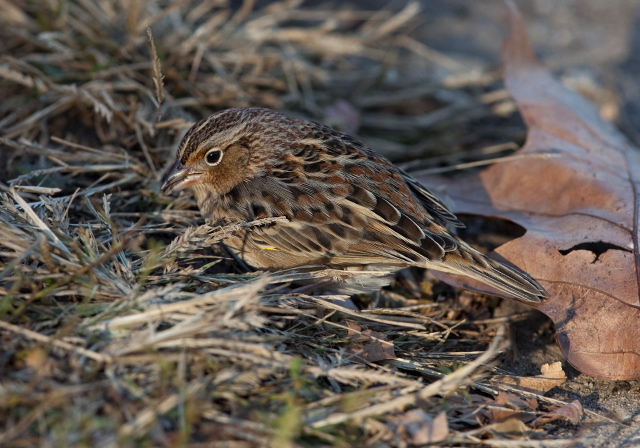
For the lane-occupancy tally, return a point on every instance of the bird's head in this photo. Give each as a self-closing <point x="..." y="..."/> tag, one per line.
<point x="228" y="148"/>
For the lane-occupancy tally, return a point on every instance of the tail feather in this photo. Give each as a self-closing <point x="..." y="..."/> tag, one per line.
<point x="511" y="280"/>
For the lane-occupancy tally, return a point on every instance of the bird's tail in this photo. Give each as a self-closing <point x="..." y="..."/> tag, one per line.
<point x="467" y="261"/>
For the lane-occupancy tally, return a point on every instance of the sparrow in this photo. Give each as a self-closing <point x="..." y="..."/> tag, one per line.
<point x="344" y="205"/>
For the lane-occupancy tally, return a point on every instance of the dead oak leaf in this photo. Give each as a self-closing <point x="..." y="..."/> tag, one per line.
<point x="511" y="428"/>
<point x="507" y="405"/>
<point x="551" y="376"/>
<point x="416" y="427"/>
<point x="571" y="412"/>
<point x="374" y="345"/>
<point x="580" y="208"/>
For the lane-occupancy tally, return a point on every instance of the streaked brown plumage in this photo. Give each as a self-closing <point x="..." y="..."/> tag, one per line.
<point x="346" y="206"/>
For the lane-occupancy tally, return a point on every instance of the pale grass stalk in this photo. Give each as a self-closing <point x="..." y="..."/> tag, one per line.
<point x="103" y="358"/>
<point x="362" y="315"/>
<point x="155" y="313"/>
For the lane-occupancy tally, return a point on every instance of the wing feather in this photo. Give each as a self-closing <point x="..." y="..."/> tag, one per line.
<point x="431" y="203"/>
<point x="356" y="227"/>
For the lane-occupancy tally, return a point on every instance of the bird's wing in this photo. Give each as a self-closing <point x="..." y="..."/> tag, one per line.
<point x="343" y="223"/>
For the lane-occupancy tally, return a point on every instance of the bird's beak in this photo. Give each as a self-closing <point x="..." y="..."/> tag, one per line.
<point x="178" y="178"/>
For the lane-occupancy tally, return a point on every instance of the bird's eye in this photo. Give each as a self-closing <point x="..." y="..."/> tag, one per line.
<point x="213" y="157"/>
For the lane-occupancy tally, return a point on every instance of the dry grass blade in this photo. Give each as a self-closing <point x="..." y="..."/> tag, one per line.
<point x="61" y="344"/>
<point x="157" y="72"/>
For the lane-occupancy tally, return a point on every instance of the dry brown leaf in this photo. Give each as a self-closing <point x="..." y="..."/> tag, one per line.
<point x="553" y="371"/>
<point x="508" y="405"/>
<point x="550" y="377"/>
<point x="416" y="427"/>
<point x="375" y="347"/>
<point x="580" y="211"/>
<point x="511" y="428"/>
<point x="572" y="412"/>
